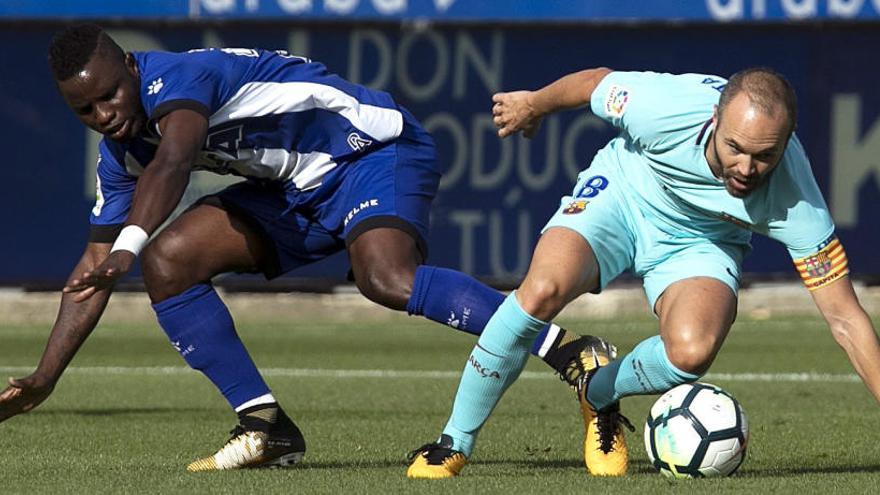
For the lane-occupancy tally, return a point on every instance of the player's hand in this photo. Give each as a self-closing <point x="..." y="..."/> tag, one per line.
<point x="117" y="264"/>
<point x="24" y="394"/>
<point x="514" y="112"/>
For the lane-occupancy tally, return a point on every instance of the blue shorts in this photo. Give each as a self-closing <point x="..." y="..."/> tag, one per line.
<point x="392" y="186"/>
<point x="623" y="239"/>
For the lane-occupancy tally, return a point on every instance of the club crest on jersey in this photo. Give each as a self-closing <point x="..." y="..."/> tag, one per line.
<point x="358" y="143"/>
<point x="616" y="101"/>
<point x="155" y="87"/>
<point x="575" y="207"/>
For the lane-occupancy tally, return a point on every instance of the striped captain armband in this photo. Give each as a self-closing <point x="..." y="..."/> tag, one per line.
<point x="825" y="266"/>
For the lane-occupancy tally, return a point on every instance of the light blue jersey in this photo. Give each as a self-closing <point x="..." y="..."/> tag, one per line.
<point x="654" y="183"/>
<point x="665" y="121"/>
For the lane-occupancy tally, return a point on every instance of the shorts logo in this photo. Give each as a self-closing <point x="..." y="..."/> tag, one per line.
<point x="358" y="143"/>
<point x="359" y="208"/>
<point x="575" y="207"/>
<point x="616" y="101"/>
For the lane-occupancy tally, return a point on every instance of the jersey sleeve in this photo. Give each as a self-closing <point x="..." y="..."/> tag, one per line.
<point x="114" y="191"/>
<point x="652" y="108"/>
<point x="176" y="81"/>
<point x="801" y="221"/>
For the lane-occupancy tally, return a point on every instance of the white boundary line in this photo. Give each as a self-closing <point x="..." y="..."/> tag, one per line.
<point x="405" y="374"/>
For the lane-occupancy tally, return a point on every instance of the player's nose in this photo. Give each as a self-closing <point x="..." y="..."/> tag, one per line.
<point x="746" y="167"/>
<point x="104" y="114"/>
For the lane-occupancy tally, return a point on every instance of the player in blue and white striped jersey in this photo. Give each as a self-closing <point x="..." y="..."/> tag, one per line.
<point x="328" y="165"/>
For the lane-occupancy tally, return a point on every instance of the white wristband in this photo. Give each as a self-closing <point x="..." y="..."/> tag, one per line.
<point x="131" y="239"/>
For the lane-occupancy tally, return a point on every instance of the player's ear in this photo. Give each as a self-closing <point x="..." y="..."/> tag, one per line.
<point x="715" y="115"/>
<point x="131" y="64"/>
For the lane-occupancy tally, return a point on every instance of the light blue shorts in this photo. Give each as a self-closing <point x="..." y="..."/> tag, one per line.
<point x="623" y="239"/>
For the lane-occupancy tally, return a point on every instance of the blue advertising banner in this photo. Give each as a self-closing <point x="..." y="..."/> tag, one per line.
<point x="97" y="8"/>
<point x="496" y="194"/>
<point x="458" y="10"/>
<point x="549" y="10"/>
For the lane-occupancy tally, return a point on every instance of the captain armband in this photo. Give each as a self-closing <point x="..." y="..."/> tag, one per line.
<point x="825" y="266"/>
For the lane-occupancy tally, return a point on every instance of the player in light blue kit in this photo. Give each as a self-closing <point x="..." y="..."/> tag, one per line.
<point x="328" y="165"/>
<point x="700" y="164"/>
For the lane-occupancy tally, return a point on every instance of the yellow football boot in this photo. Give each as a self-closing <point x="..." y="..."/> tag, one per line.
<point x="605" y="451"/>
<point x="435" y="460"/>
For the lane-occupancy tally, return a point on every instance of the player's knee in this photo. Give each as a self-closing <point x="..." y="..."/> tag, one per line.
<point x="541" y="297"/>
<point x="164" y="267"/>
<point x="691" y="352"/>
<point x="387" y="285"/>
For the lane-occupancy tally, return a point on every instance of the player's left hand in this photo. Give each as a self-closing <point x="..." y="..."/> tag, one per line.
<point x="23" y="394"/>
<point x="117" y="264"/>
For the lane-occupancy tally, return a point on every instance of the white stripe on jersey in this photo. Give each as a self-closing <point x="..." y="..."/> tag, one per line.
<point x="305" y="170"/>
<point x="256" y="99"/>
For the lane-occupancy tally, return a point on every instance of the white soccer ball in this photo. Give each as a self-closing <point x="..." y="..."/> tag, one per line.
<point x="696" y="430"/>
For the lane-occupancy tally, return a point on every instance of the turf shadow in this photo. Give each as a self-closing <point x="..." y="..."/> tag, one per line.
<point x="799" y="471"/>
<point x="352" y="464"/>
<point x="116" y="411"/>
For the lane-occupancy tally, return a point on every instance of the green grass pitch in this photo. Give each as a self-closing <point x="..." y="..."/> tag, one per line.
<point x="127" y="418"/>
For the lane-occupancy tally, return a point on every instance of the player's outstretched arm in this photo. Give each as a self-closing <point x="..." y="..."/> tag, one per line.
<point x="521" y="111"/>
<point x="159" y="190"/>
<point x="852" y="329"/>
<point x="74" y="323"/>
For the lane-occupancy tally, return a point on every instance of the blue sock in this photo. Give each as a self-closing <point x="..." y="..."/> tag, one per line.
<point x="458" y="300"/>
<point x="494" y="364"/>
<point x="645" y="370"/>
<point x="201" y="329"/>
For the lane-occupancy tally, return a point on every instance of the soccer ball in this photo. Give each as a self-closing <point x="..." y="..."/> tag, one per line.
<point x="696" y="430"/>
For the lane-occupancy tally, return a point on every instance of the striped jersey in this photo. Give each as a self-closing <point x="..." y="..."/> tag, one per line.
<point x="271" y="116"/>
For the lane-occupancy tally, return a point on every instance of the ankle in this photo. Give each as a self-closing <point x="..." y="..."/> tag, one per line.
<point x="263" y="417"/>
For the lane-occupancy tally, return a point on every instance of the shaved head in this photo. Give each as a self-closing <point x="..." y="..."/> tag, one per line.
<point x="767" y="91"/>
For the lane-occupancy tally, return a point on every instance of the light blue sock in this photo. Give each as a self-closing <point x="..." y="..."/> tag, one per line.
<point x="645" y="370"/>
<point x="495" y="363"/>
